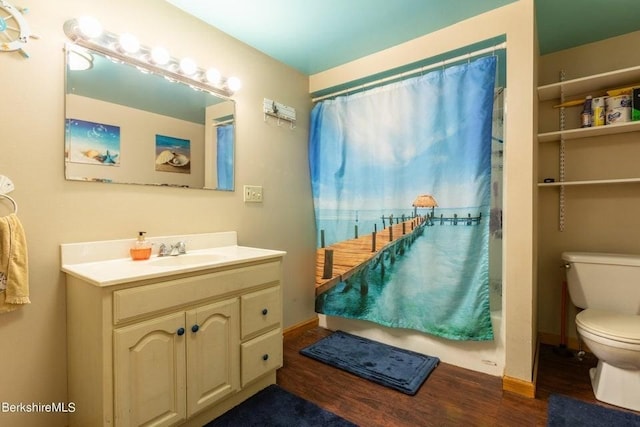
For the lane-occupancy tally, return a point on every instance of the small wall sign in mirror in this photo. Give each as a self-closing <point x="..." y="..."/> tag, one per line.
<point x="14" y="29"/>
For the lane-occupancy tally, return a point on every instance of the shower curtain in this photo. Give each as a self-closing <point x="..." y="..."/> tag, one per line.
<point x="371" y="155"/>
<point x="224" y="165"/>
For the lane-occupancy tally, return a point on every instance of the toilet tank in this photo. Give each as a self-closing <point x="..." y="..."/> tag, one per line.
<point x="604" y="281"/>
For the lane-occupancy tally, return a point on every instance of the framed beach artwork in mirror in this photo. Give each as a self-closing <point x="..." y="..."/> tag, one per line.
<point x="153" y="130"/>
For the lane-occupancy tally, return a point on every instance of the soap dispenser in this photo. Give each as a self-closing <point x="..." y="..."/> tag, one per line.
<point x="141" y="249"/>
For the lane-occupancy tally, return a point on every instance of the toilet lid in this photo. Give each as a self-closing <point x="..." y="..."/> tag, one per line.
<point x="615" y="326"/>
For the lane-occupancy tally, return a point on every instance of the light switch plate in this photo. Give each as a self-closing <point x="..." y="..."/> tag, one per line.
<point x="253" y="193"/>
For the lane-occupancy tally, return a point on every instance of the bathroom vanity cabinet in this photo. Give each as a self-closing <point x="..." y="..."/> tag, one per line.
<point x="176" y="350"/>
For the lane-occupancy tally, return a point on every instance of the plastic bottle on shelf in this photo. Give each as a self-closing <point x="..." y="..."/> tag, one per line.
<point x="586" y="117"/>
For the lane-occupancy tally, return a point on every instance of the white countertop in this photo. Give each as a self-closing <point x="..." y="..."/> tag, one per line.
<point x="107" y="263"/>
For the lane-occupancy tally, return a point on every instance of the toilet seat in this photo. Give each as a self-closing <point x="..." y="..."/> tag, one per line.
<point x="623" y="328"/>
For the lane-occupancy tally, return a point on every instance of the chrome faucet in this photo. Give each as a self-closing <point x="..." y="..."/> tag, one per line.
<point x="179" y="248"/>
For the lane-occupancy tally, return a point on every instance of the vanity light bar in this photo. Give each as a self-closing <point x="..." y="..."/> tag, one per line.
<point x="112" y="45"/>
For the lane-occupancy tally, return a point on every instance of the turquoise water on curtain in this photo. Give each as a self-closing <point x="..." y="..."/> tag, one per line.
<point x="422" y="290"/>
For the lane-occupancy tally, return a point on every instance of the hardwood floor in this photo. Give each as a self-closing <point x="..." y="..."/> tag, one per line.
<point x="451" y="396"/>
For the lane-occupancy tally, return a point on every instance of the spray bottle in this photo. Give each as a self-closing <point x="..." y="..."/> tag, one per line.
<point x="586" y="117"/>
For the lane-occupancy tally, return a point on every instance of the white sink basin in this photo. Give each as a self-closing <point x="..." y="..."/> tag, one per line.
<point x="186" y="260"/>
<point x="107" y="263"/>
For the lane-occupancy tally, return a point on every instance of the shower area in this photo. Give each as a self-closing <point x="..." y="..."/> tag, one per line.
<point x="461" y="326"/>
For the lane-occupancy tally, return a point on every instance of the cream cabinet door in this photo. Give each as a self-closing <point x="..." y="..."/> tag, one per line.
<point x="213" y="346"/>
<point x="150" y="372"/>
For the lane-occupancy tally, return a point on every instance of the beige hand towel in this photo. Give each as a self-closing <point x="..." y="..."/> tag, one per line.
<point x="14" y="273"/>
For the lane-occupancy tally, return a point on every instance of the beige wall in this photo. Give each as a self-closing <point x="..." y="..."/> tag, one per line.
<point x="519" y="245"/>
<point x="54" y="211"/>
<point x="601" y="218"/>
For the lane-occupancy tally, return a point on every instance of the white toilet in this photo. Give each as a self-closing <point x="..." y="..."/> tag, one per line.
<point x="607" y="287"/>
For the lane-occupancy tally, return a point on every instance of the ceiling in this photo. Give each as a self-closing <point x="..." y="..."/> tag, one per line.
<point x="313" y="36"/>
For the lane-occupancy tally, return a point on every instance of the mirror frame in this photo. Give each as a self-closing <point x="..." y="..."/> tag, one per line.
<point x="134" y="121"/>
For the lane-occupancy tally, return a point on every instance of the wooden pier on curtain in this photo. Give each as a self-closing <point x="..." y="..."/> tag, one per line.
<point x="350" y="260"/>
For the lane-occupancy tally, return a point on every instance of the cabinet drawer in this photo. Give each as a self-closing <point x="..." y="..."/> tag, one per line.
<point x="261" y="355"/>
<point x="147" y="299"/>
<point x="261" y="310"/>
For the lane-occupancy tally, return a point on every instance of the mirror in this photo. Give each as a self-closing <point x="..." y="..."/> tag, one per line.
<point x="123" y="125"/>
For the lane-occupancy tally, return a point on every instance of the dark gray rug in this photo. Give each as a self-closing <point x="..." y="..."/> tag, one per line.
<point x="566" y="411"/>
<point x="276" y="407"/>
<point x="400" y="369"/>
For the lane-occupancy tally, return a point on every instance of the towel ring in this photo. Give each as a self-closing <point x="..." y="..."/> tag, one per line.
<point x="13" y="202"/>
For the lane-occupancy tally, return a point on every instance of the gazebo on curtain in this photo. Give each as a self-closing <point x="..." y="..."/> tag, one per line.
<point x="424" y="201"/>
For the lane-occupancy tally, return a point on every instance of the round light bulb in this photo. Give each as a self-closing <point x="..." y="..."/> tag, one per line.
<point x="213" y="76"/>
<point x="79" y="59"/>
<point x="160" y="55"/>
<point x="188" y="66"/>
<point x="89" y="27"/>
<point x="234" y="84"/>
<point x="128" y="43"/>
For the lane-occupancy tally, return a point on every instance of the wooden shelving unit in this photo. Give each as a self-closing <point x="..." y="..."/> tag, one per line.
<point x="589" y="132"/>
<point x="589" y="182"/>
<point x="595" y="85"/>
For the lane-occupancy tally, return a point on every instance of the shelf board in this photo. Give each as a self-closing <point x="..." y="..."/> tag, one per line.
<point x="589" y="132"/>
<point x="589" y="182"/>
<point x="595" y="83"/>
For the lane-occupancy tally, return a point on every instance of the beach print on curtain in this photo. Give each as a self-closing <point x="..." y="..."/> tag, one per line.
<point x="372" y="155"/>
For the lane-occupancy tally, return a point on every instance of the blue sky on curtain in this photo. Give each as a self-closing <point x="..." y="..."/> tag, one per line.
<point x="371" y="155"/>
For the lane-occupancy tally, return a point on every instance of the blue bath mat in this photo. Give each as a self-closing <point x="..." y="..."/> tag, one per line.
<point x="565" y="411"/>
<point x="400" y="369"/>
<point x="276" y="407"/>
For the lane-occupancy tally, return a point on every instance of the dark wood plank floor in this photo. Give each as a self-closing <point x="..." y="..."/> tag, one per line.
<point x="451" y="396"/>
